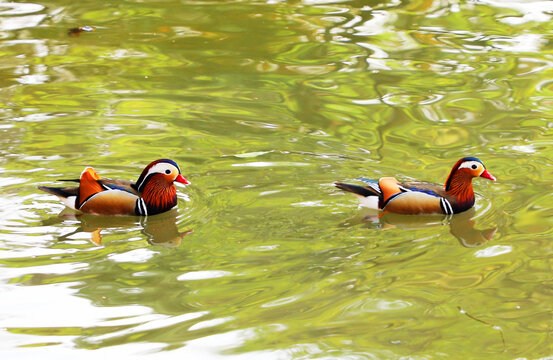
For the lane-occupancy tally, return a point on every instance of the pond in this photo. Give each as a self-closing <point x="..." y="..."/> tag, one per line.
<point x="264" y="105"/>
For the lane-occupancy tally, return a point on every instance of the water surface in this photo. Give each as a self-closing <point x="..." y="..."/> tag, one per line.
<point x="264" y="105"/>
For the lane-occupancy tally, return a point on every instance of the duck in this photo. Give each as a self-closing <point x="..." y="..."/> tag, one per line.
<point x="153" y="193"/>
<point x="390" y="195"/>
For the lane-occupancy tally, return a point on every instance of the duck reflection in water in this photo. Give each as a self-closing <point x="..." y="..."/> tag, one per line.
<point x="462" y="226"/>
<point x="159" y="229"/>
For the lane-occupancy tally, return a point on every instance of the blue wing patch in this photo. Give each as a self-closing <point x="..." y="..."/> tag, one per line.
<point x="368" y="181"/>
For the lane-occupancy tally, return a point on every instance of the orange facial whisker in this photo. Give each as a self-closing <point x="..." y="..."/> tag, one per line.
<point x="159" y="195"/>
<point x="460" y="187"/>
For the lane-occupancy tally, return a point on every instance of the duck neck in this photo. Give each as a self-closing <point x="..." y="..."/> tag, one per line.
<point x="459" y="186"/>
<point x="159" y="196"/>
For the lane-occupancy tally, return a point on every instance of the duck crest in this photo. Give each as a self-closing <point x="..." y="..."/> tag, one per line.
<point x="158" y="195"/>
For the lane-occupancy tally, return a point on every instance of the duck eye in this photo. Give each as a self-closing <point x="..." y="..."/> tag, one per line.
<point x="474" y="167"/>
<point x="167" y="171"/>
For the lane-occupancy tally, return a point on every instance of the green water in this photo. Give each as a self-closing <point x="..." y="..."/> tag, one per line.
<point x="264" y="105"/>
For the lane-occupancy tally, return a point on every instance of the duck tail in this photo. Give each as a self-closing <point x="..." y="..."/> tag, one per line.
<point x="61" y="192"/>
<point x="70" y="180"/>
<point x="356" y="189"/>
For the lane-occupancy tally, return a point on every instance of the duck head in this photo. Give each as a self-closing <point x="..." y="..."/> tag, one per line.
<point x="464" y="170"/>
<point x="459" y="181"/>
<point x="156" y="185"/>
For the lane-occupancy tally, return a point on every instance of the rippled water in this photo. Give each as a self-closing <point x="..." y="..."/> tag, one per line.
<point x="264" y="105"/>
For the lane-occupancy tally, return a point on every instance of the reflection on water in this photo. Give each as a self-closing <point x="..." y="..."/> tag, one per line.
<point x="460" y="225"/>
<point x="159" y="229"/>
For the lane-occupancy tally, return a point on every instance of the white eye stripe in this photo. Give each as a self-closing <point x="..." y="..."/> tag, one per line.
<point x="161" y="167"/>
<point x="473" y="165"/>
<point x="156" y="169"/>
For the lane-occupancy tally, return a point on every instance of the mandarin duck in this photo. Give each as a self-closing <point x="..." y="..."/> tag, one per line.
<point x="154" y="192"/>
<point x="390" y="195"/>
